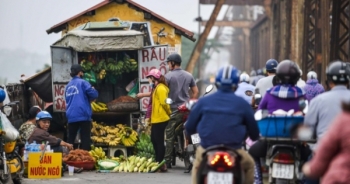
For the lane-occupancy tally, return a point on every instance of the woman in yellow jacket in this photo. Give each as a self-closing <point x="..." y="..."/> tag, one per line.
<point x="158" y="112"/>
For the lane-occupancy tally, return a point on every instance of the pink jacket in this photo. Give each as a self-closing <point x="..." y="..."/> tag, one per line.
<point x="332" y="158"/>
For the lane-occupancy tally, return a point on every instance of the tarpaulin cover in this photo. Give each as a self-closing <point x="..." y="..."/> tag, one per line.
<point x="41" y="84"/>
<point x="106" y="40"/>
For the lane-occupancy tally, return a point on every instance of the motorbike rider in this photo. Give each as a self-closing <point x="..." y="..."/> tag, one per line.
<point x="245" y="90"/>
<point x="285" y="95"/>
<point x="260" y="75"/>
<point x="312" y="87"/>
<point x="179" y="82"/>
<point x="252" y="76"/>
<point x="266" y="83"/>
<point x="325" y="107"/>
<point x="301" y="83"/>
<point x="223" y="118"/>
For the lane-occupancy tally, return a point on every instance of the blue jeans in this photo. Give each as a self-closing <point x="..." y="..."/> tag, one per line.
<point x="308" y="180"/>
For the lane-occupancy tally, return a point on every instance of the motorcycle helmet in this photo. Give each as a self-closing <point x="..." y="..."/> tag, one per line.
<point x="154" y="73"/>
<point x="288" y="72"/>
<point x="175" y="57"/>
<point x="338" y="72"/>
<point x="227" y="76"/>
<point x="311" y="75"/>
<point x="253" y="73"/>
<point x="244" y="77"/>
<point x="2" y="95"/>
<point x="271" y="65"/>
<point x="43" y="115"/>
<point x="260" y="72"/>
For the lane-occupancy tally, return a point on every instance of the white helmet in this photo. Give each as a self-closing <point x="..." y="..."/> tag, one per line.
<point x="311" y="75"/>
<point x="244" y="77"/>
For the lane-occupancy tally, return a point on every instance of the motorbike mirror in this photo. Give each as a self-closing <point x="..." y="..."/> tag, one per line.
<point x="7" y="110"/>
<point x="209" y="88"/>
<point x="169" y="101"/>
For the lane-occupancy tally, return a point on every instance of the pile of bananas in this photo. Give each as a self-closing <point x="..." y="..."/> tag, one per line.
<point x="137" y="164"/>
<point x="97" y="154"/>
<point x="86" y="65"/>
<point x="113" y="135"/>
<point x="98" y="107"/>
<point x="102" y="74"/>
<point x="144" y="146"/>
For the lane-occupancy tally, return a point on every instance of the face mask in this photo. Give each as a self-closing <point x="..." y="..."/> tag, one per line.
<point x="151" y="84"/>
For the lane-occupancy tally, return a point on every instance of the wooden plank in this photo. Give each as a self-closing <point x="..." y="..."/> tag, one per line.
<point x="231" y="23"/>
<point x="203" y="37"/>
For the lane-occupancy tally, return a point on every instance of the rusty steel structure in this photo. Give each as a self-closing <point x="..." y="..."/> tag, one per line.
<point x="310" y="32"/>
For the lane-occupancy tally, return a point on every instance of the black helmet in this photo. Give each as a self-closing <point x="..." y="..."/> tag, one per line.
<point x="338" y="72"/>
<point x="288" y="72"/>
<point x="175" y="57"/>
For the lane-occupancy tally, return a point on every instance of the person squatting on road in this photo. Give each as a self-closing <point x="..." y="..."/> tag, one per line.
<point x="223" y="118"/>
<point x="79" y="93"/>
<point x="286" y="96"/>
<point x="158" y="113"/>
<point x="312" y="87"/>
<point x="27" y="128"/>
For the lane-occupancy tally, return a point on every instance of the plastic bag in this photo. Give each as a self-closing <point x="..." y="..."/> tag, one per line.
<point x="11" y="132"/>
<point x="133" y="92"/>
<point x="130" y="86"/>
<point x="90" y="77"/>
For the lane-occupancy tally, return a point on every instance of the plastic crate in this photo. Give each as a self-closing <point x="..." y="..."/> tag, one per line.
<point x="278" y="126"/>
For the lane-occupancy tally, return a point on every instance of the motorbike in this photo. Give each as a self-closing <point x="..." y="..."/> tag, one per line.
<point x="283" y="156"/>
<point x="185" y="148"/>
<point x="220" y="164"/>
<point x="11" y="163"/>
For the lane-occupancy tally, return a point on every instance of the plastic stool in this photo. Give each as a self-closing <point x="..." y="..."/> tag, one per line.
<point x="113" y="149"/>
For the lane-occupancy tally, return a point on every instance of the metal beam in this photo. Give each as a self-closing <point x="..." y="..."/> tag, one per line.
<point x="231" y="23"/>
<point x="203" y="37"/>
<point x="235" y="2"/>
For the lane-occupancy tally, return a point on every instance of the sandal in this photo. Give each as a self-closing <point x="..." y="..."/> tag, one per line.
<point x="78" y="170"/>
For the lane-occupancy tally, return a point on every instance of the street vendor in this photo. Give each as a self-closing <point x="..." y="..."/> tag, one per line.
<point x="40" y="133"/>
<point x="28" y="127"/>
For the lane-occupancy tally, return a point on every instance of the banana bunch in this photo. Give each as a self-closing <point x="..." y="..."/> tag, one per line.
<point x="114" y="142"/>
<point x="137" y="164"/>
<point x="98" y="107"/>
<point x="145" y="147"/>
<point x="102" y="74"/>
<point x="97" y="154"/>
<point x="130" y="65"/>
<point x="86" y="65"/>
<point x="129" y="136"/>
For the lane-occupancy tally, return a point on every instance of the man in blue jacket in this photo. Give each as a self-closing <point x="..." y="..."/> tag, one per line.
<point x="224" y="118"/>
<point x="79" y="94"/>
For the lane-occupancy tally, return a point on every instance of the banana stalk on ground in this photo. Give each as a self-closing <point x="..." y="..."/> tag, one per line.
<point x="137" y="164"/>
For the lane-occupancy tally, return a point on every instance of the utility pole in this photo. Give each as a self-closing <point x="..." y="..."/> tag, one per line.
<point x="199" y="32"/>
<point x="203" y="37"/>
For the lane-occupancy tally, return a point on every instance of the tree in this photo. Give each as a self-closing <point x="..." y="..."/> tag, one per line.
<point x="45" y="67"/>
<point x="187" y="47"/>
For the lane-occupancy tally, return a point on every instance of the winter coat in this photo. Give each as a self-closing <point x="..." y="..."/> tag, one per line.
<point x="312" y="89"/>
<point x="160" y="109"/>
<point x="39" y="135"/>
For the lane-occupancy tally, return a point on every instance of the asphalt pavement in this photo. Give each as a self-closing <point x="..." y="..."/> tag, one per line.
<point x="175" y="175"/>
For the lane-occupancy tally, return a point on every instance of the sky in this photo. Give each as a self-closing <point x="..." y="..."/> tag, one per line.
<point x="24" y="25"/>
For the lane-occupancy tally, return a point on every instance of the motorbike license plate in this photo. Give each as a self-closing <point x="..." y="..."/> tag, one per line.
<point x="195" y="139"/>
<point x="283" y="171"/>
<point x="220" y="178"/>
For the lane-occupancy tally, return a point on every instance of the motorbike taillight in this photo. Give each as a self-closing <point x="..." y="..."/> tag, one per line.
<point x="283" y="158"/>
<point x="221" y="159"/>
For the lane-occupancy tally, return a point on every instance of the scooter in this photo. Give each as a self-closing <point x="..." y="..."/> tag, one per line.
<point x="284" y="153"/>
<point x="220" y="164"/>
<point x="185" y="148"/>
<point x="11" y="163"/>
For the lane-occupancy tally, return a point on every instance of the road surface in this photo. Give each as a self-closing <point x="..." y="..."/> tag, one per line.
<point x="175" y="175"/>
